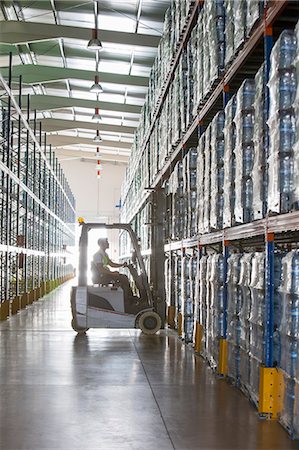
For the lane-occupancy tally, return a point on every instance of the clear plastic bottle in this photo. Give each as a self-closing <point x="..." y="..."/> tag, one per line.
<point x="287" y="49"/>
<point x="248" y="155"/>
<point x="287" y="132"/>
<point x="287" y="89"/>
<point x="286" y="178"/>
<point x="247" y="127"/>
<point x="248" y="94"/>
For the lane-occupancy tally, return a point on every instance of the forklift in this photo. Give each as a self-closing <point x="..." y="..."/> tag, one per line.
<point x="107" y="305"/>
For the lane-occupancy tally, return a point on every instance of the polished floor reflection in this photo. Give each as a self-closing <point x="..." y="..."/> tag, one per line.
<point x="115" y="390"/>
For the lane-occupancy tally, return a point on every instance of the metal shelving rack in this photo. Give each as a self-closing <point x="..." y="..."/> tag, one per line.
<point x="283" y="228"/>
<point x="37" y="209"/>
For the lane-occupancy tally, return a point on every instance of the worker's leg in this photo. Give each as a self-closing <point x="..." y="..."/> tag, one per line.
<point x="125" y="284"/>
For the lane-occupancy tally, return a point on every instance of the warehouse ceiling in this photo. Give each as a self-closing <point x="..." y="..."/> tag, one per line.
<point x="49" y="42"/>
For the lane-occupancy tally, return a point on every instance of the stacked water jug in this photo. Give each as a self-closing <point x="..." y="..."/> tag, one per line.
<point x="215" y="310"/>
<point x="189" y="271"/>
<point x="178" y="189"/>
<point x="207" y="180"/>
<point x="201" y="306"/>
<point x="281" y="122"/>
<point x="200" y="183"/>
<point x="213" y="42"/>
<point x="178" y="286"/>
<point x="259" y="171"/>
<point x="233" y="317"/>
<point x="191" y="189"/>
<point x="187" y="308"/>
<point x="229" y="163"/>
<point x="244" y="152"/>
<point x="289" y="340"/>
<point x="217" y="172"/>
<point x="256" y="322"/>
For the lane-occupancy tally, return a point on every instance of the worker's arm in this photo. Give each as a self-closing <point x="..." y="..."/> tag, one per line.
<point x="115" y="265"/>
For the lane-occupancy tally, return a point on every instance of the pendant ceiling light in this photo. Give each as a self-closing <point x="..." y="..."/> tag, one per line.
<point x="95" y="43"/>
<point x="97" y="115"/>
<point x="96" y="87"/>
<point x="97" y="138"/>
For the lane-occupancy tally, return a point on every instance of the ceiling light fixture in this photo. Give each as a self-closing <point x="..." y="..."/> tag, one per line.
<point x="97" y="115"/>
<point x="95" y="43"/>
<point x="97" y="137"/>
<point x="96" y="87"/>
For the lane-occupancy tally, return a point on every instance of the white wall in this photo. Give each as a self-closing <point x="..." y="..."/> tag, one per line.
<point x="96" y="199"/>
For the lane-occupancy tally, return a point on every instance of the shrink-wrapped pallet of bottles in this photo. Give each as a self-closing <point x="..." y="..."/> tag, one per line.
<point x="190" y="175"/>
<point x="217" y="172"/>
<point x="259" y="170"/>
<point x="282" y="86"/>
<point x="244" y="152"/>
<point x="229" y="161"/>
<point x="288" y="339"/>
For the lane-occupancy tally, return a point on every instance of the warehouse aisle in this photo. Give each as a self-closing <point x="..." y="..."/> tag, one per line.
<point x="115" y="390"/>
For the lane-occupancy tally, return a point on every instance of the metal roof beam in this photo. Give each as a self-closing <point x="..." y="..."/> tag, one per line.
<point x="32" y="74"/>
<point x="49" y="102"/>
<point x="57" y="140"/>
<point x="14" y="32"/>
<point x="50" y="125"/>
<point x="66" y="154"/>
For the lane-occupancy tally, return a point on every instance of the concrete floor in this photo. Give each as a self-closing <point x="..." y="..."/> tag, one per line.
<point x="115" y="390"/>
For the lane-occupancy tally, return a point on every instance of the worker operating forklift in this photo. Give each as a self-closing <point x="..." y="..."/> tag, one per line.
<point x="102" y="305"/>
<point x="101" y="274"/>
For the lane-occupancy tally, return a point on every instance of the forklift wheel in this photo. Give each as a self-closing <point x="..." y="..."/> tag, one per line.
<point x="149" y="322"/>
<point x="78" y="329"/>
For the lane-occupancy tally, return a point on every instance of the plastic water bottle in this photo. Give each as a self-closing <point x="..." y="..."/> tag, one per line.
<point x="220" y="125"/>
<point x="220" y="151"/>
<point x="287" y="89"/>
<point x="287" y="132"/>
<point x="220" y="178"/>
<point x="192" y="158"/>
<point x="295" y="273"/>
<point x="248" y="154"/>
<point x="193" y="200"/>
<point x="180" y="170"/>
<point x="220" y="207"/>
<point x="193" y="179"/>
<point x="286" y="171"/>
<point x="248" y="94"/>
<point x="220" y="28"/>
<point x="287" y="49"/>
<point x="247" y="127"/>
<point x="247" y="200"/>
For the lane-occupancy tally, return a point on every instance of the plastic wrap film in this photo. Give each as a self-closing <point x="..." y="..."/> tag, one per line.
<point x="253" y="10"/>
<point x="296" y="110"/>
<point x="189" y="297"/>
<point x="287" y="337"/>
<point x="229" y="163"/>
<point x="200" y="59"/>
<point x="191" y="189"/>
<point x="217" y="172"/>
<point x="204" y="267"/>
<point x="187" y="306"/>
<point x="215" y="308"/>
<point x="178" y="286"/>
<point x="239" y="24"/>
<point x="207" y="180"/>
<point x="229" y="30"/>
<point x="282" y="86"/>
<point x="259" y="181"/>
<point x="200" y="184"/>
<point x="244" y="152"/>
<point x="213" y="42"/>
<point x="233" y="320"/>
